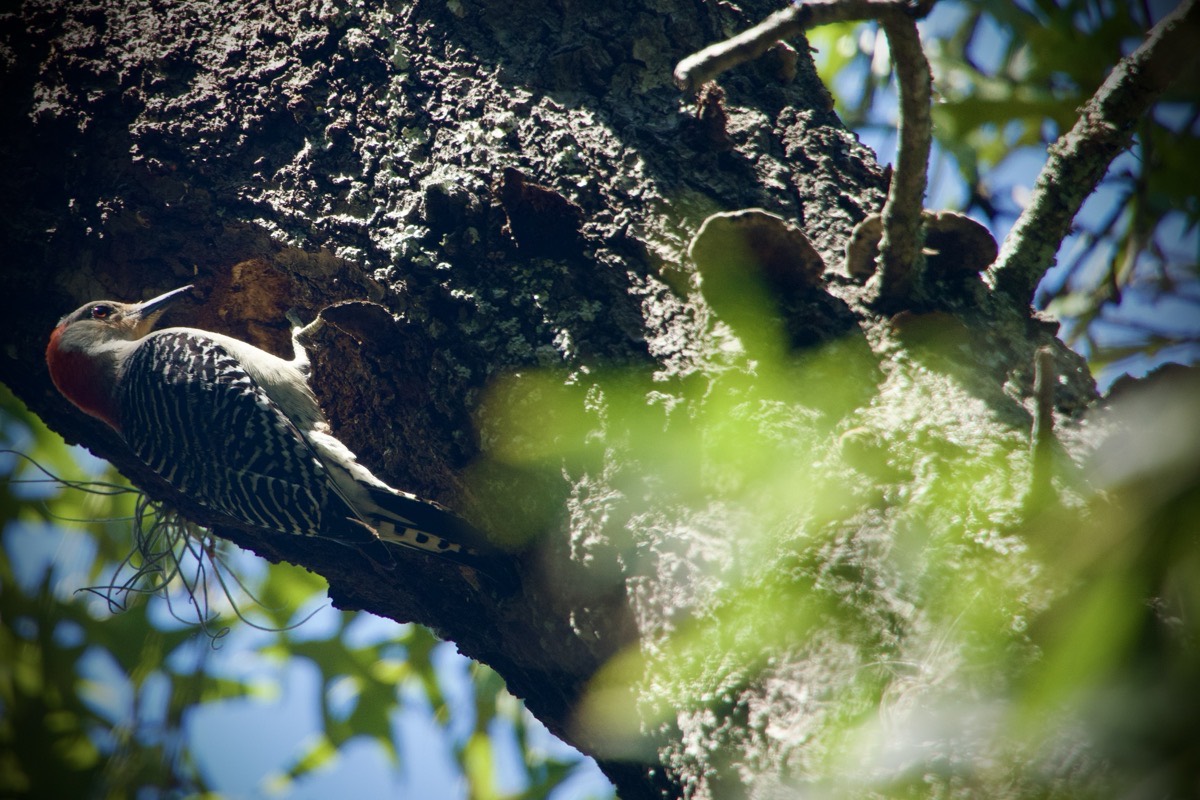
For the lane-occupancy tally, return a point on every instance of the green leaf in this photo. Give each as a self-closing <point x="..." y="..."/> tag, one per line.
<point x="479" y="767"/>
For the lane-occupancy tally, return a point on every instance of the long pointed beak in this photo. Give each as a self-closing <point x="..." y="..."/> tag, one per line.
<point x="150" y="309"/>
<point x="143" y="315"/>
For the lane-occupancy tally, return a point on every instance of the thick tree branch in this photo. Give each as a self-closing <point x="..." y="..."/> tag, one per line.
<point x="1078" y="161"/>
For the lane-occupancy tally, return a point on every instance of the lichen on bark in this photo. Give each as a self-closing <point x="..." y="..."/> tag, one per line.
<point x="755" y="536"/>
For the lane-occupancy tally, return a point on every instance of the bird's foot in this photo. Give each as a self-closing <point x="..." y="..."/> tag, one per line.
<point x="303" y="335"/>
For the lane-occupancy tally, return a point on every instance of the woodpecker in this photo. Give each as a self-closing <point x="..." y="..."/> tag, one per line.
<point x="236" y="428"/>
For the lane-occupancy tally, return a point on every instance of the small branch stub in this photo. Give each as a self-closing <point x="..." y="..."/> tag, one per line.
<point x="1041" y="438"/>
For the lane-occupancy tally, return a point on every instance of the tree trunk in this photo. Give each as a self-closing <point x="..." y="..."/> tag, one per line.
<point x="494" y="188"/>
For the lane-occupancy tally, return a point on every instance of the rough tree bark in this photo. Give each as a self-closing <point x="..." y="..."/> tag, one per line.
<point x="496" y="187"/>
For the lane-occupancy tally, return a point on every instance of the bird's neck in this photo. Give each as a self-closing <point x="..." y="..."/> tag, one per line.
<point x="87" y="377"/>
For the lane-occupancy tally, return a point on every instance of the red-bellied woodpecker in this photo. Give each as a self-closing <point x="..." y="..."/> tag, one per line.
<point x="235" y="428"/>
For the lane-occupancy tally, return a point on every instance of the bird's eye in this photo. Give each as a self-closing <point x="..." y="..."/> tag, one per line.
<point x="101" y="312"/>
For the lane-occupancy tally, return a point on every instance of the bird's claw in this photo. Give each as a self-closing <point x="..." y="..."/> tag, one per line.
<point x="303" y="334"/>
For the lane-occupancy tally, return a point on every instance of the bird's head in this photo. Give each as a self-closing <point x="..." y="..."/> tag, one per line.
<point x="85" y="348"/>
<point x="103" y="321"/>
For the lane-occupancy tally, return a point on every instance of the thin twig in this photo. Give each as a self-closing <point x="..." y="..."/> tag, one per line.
<point x="900" y="247"/>
<point x="701" y="67"/>
<point x="1077" y="161"/>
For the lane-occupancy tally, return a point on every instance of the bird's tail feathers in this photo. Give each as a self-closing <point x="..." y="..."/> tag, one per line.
<point x="410" y="521"/>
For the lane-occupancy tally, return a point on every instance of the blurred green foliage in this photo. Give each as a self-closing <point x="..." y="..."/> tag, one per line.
<point x="967" y="630"/>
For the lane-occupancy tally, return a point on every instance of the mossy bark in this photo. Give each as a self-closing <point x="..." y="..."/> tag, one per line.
<point x="501" y="187"/>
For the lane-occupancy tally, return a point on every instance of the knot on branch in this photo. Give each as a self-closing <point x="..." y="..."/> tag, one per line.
<point x="709" y="129"/>
<point x="540" y="220"/>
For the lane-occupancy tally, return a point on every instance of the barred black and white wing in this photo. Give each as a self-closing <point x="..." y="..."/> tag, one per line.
<point x="193" y="414"/>
<point x="236" y="429"/>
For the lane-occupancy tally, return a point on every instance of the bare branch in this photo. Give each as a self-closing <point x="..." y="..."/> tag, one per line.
<point x="1077" y="161"/>
<point x="900" y="247"/>
<point x="701" y="67"/>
